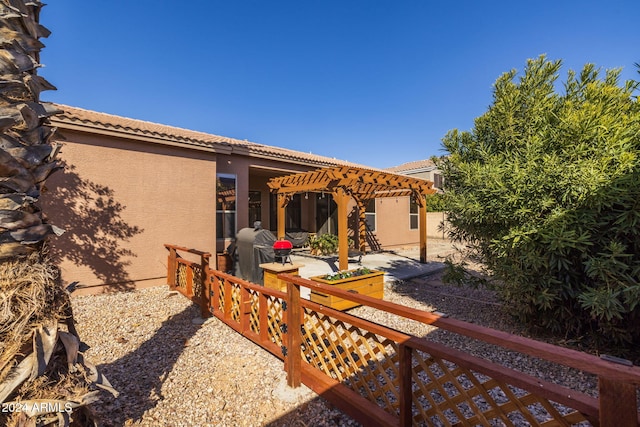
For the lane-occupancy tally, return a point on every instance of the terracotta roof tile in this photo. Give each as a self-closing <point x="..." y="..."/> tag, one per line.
<point x="133" y="127"/>
<point x="410" y="166"/>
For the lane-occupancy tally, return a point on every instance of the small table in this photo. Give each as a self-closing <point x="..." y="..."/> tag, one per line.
<point x="271" y="271"/>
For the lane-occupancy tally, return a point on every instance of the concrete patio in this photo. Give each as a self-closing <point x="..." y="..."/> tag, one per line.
<point x="400" y="264"/>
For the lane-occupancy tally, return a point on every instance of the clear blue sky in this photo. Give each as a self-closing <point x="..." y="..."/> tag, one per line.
<point x="373" y="82"/>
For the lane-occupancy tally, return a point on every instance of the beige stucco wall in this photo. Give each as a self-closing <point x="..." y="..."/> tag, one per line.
<point x="393" y="223"/>
<point x="120" y="201"/>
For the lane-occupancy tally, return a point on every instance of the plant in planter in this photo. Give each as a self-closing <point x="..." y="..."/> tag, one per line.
<point x="331" y="277"/>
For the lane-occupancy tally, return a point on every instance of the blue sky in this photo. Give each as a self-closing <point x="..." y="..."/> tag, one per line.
<point x="374" y="82"/>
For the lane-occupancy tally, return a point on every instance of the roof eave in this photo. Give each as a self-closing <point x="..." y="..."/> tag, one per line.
<point x="211" y="147"/>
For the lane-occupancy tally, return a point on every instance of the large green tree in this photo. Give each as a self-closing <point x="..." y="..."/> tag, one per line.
<point x="545" y="189"/>
<point x="44" y="379"/>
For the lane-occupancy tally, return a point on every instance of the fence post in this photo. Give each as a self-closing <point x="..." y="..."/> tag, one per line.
<point x="245" y="309"/>
<point x="406" y="392"/>
<point x="293" y="359"/>
<point x="205" y="289"/>
<point x="171" y="268"/>
<point x="215" y="283"/>
<point x="618" y="407"/>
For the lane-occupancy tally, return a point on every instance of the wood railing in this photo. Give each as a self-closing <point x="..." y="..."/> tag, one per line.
<point x="189" y="277"/>
<point x="381" y="376"/>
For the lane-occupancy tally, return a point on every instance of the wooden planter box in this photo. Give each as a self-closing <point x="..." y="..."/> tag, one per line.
<point x="371" y="284"/>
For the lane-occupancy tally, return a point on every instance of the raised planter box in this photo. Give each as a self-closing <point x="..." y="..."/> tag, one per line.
<point x="371" y="284"/>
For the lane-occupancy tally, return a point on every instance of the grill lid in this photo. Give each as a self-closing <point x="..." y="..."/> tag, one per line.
<point x="282" y="244"/>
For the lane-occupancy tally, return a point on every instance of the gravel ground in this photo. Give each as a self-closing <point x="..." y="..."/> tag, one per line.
<point x="171" y="369"/>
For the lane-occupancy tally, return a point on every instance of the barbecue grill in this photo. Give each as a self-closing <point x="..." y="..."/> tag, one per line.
<point x="254" y="247"/>
<point x="282" y="250"/>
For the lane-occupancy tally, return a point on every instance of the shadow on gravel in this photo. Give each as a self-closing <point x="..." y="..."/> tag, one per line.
<point x="139" y="375"/>
<point x="317" y="413"/>
<point x="454" y="301"/>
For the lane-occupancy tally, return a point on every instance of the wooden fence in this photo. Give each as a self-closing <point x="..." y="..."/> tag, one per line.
<point x="380" y="376"/>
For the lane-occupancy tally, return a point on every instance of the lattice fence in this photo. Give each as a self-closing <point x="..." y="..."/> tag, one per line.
<point x="365" y="362"/>
<point x="181" y="276"/>
<point x="448" y="388"/>
<point x="382" y="376"/>
<point x="447" y="394"/>
<point x="248" y="308"/>
<point x="197" y="287"/>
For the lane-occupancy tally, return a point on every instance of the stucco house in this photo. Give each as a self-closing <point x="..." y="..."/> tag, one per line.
<point x="425" y="169"/>
<point x="130" y="186"/>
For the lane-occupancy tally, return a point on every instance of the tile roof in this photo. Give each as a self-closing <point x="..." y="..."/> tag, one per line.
<point x="412" y="166"/>
<point x="92" y="121"/>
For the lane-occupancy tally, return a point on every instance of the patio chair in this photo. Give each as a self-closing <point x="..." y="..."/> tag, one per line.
<point x="355" y="255"/>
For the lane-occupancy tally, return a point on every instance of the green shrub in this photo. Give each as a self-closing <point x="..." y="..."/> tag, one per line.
<point x="436" y="202"/>
<point x="546" y="191"/>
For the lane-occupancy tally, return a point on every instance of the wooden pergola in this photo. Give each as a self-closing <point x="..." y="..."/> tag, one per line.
<point x="360" y="184"/>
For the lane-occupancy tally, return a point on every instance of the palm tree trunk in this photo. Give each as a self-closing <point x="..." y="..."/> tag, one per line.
<point x="42" y="372"/>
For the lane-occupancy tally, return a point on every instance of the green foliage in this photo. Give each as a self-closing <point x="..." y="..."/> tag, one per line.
<point x="436" y="202"/>
<point x="546" y="191"/>
<point x="325" y="244"/>
<point x="338" y="275"/>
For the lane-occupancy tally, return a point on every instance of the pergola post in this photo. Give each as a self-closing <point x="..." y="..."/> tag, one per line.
<point x="422" y="228"/>
<point x="283" y="201"/>
<point x="342" y="200"/>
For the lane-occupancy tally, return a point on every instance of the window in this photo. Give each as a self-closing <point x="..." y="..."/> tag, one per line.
<point x="255" y="207"/>
<point x="225" y="206"/>
<point x="326" y="214"/>
<point x="293" y="213"/>
<point x="370" y="215"/>
<point x="438" y="181"/>
<point x="413" y="215"/>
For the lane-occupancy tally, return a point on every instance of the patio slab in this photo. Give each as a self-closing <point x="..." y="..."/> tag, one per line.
<point x="400" y="264"/>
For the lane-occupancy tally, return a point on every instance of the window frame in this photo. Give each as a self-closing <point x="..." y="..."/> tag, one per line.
<point x="414" y="216"/>
<point x="368" y="214"/>
<point x="224" y="213"/>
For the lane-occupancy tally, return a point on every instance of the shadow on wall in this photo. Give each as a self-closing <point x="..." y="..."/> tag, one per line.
<point x="370" y="238"/>
<point x="94" y="228"/>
